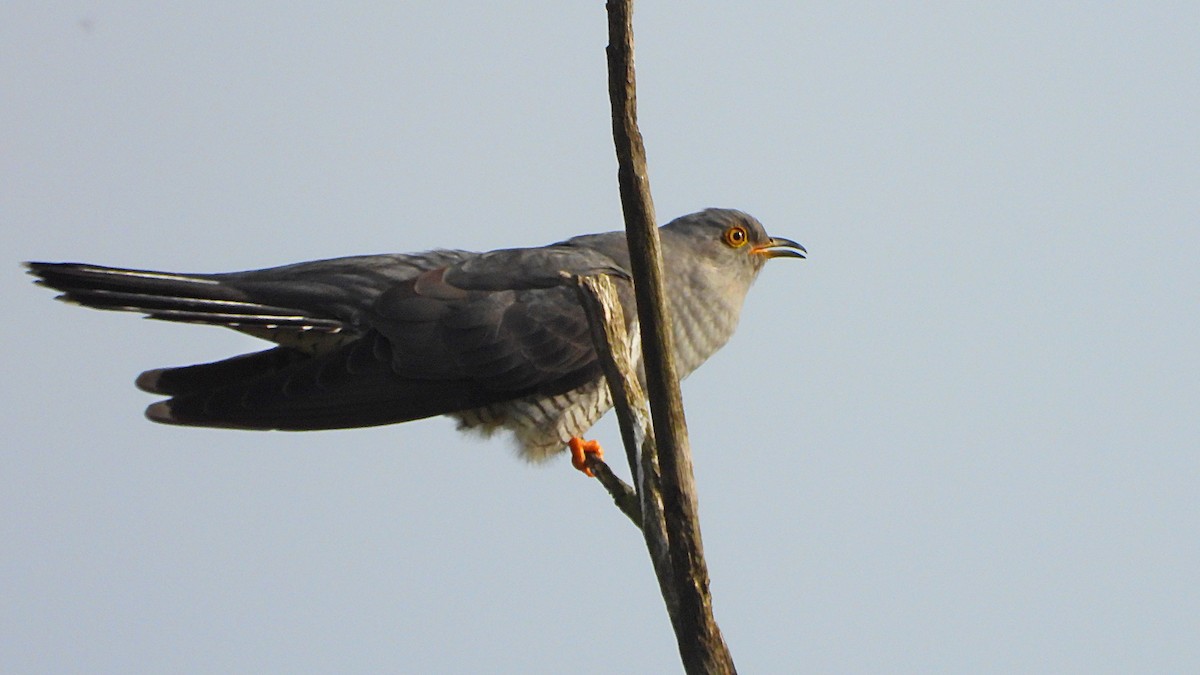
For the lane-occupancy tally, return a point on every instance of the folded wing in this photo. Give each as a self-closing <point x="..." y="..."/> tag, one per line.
<point x="363" y="341"/>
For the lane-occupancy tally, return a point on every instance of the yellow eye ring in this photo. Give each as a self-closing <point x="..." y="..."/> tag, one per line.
<point x="736" y="237"/>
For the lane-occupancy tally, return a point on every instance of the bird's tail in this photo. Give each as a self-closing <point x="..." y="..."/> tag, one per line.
<point x="346" y="381"/>
<point x="284" y="389"/>
<point x="186" y="298"/>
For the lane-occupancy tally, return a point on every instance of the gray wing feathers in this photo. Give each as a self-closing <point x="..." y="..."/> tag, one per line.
<point x="422" y="335"/>
<point x="530" y="268"/>
<point x="505" y="320"/>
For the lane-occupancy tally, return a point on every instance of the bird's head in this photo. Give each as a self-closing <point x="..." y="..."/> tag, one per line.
<point x="729" y="238"/>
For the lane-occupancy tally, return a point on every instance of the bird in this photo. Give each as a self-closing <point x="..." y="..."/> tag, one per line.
<point x="497" y="340"/>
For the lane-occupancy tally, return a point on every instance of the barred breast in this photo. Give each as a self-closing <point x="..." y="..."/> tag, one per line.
<point x="542" y="425"/>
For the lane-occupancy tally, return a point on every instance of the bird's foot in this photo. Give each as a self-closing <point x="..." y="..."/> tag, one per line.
<point x="580" y="449"/>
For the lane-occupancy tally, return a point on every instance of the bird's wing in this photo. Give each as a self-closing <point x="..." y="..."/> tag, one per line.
<point x="507" y="321"/>
<point x="485" y="329"/>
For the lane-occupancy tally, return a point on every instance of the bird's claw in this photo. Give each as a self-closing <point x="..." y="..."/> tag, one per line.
<point x="580" y="449"/>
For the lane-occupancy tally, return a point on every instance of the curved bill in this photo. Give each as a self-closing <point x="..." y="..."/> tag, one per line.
<point x="778" y="247"/>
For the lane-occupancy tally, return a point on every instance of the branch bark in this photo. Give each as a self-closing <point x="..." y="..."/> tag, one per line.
<point x="614" y="349"/>
<point x="624" y="496"/>
<point x="684" y="582"/>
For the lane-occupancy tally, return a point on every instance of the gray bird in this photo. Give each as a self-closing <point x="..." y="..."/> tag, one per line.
<point x="496" y="340"/>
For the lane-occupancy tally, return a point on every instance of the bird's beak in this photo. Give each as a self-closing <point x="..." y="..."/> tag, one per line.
<point x="778" y="247"/>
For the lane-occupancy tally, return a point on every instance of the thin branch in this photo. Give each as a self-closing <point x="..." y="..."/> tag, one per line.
<point x="606" y="319"/>
<point x="701" y="646"/>
<point x="614" y="348"/>
<point x="624" y="496"/>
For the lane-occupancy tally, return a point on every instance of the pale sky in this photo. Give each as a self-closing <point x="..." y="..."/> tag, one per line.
<point x="961" y="437"/>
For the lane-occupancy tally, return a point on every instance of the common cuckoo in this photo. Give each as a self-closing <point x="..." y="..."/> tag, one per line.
<point x="496" y="340"/>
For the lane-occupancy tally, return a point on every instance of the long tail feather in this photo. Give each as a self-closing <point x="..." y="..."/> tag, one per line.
<point x="170" y="297"/>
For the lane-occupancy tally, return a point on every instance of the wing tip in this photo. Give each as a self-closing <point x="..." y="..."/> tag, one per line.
<point x="148" y="381"/>
<point x="161" y="412"/>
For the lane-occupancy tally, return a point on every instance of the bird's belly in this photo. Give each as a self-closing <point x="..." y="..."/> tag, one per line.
<point x="541" y="425"/>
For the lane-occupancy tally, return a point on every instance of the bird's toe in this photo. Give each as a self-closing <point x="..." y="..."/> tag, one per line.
<point x="580" y="449"/>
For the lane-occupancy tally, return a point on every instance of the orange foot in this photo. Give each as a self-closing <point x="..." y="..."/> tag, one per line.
<point x="580" y="449"/>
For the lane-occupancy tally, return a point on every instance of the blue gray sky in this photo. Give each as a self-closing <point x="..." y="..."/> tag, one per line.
<point x="961" y="437"/>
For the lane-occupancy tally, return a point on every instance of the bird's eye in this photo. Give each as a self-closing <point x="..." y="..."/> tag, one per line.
<point x="736" y="236"/>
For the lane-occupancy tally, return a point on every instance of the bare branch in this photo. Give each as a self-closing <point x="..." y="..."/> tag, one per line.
<point x="614" y="349"/>
<point x="606" y="318"/>
<point x="701" y="646"/>
<point x="624" y="496"/>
